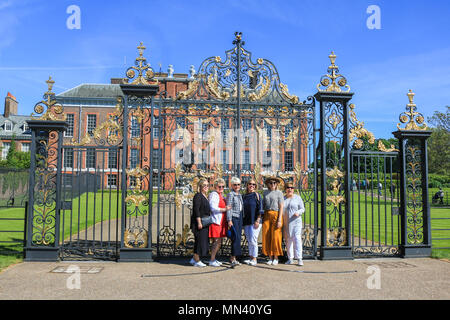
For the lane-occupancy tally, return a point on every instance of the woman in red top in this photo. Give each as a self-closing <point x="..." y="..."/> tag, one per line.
<point x="218" y="229"/>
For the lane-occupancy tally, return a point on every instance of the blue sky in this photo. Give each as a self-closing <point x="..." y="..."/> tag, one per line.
<point x="410" y="51"/>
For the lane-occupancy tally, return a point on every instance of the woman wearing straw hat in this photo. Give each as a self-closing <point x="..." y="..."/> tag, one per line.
<point x="272" y="234"/>
<point x="293" y="210"/>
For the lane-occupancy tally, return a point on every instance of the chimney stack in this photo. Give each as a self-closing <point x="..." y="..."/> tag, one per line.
<point x="10" y="105"/>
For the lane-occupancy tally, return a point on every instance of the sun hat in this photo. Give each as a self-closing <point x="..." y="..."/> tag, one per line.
<point x="271" y="178"/>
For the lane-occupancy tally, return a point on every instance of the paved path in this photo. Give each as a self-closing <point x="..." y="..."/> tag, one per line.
<point x="168" y="280"/>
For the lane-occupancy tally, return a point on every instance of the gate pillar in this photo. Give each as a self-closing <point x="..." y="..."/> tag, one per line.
<point x="136" y="238"/>
<point x="42" y="226"/>
<point x="334" y="164"/>
<point x="414" y="206"/>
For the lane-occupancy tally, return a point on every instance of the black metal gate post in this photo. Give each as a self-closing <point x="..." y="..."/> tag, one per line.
<point x="334" y="164"/>
<point x="414" y="206"/>
<point x="137" y="250"/>
<point x="42" y="243"/>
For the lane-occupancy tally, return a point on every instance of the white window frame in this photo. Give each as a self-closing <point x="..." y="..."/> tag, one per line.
<point x="28" y="144"/>
<point x="71" y="125"/>
<point x="8" y="123"/>
<point x="5" y="149"/>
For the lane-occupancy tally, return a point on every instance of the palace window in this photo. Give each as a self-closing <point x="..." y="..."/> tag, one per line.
<point x="135" y="128"/>
<point x="25" y="147"/>
<point x="8" y="126"/>
<point x="70" y="121"/>
<point x="5" y="149"/>
<point x="112" y="180"/>
<point x="90" y="158"/>
<point x="112" y="159"/>
<point x="91" y="123"/>
<point x="134" y="158"/>
<point x="247" y="124"/>
<point x="68" y="158"/>
<point x="156" y="128"/>
<point x="288" y="161"/>
<point x="267" y="159"/>
<point x="246" y="165"/>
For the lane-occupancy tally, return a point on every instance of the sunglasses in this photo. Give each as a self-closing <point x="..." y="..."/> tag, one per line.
<point x="252" y="184"/>
<point x="221" y="187"/>
<point x="289" y="188"/>
<point x="273" y="182"/>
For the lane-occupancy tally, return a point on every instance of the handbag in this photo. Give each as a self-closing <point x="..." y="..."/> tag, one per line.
<point x="206" y="221"/>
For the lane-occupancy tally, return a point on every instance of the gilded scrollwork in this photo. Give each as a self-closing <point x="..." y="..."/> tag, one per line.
<point x="414" y="120"/>
<point x="333" y="81"/>
<point x="53" y="110"/>
<point x="135" y="236"/>
<point x="141" y="73"/>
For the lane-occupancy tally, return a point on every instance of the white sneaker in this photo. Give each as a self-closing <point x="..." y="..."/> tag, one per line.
<point x="269" y="262"/>
<point x="214" y="263"/>
<point x="199" y="264"/>
<point x="290" y="261"/>
<point x="220" y="263"/>
<point x="252" y="262"/>
<point x="275" y="262"/>
<point x="192" y="261"/>
<point x="248" y="261"/>
<point x="235" y="263"/>
<point x="300" y="262"/>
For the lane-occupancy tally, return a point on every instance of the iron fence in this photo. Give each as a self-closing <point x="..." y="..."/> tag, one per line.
<point x="13" y="187"/>
<point x="13" y="223"/>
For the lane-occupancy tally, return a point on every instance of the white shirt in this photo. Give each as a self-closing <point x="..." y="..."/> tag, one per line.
<point x="292" y="206"/>
<point x="216" y="213"/>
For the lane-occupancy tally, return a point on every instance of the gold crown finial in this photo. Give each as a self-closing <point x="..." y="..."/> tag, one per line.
<point x="144" y="72"/>
<point x="141" y="49"/>
<point x="50" y="83"/>
<point x="414" y="120"/>
<point x="53" y="110"/>
<point x="338" y="81"/>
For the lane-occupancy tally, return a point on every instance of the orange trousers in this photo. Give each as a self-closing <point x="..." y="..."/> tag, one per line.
<point x="271" y="235"/>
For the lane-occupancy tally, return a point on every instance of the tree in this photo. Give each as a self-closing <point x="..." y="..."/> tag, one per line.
<point x="439" y="143"/>
<point x="16" y="159"/>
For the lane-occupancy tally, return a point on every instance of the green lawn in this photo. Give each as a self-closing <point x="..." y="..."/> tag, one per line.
<point x="11" y="253"/>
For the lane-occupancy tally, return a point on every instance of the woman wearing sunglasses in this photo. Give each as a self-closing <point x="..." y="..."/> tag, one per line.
<point x="293" y="210"/>
<point x="200" y="209"/>
<point x="234" y="218"/>
<point x="218" y="229"/>
<point x="253" y="211"/>
<point x="272" y="234"/>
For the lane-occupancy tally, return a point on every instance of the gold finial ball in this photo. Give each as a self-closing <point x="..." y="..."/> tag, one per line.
<point x="131" y="73"/>
<point x="420" y="119"/>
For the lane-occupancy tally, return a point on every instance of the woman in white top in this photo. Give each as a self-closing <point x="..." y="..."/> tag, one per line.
<point x="293" y="210"/>
<point x="218" y="229"/>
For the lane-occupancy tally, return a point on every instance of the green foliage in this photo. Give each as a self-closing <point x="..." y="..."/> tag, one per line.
<point x="439" y="143"/>
<point x="438" y="180"/>
<point x="16" y="159"/>
<point x="439" y="151"/>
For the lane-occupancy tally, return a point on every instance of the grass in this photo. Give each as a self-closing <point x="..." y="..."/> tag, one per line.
<point x="11" y="253"/>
